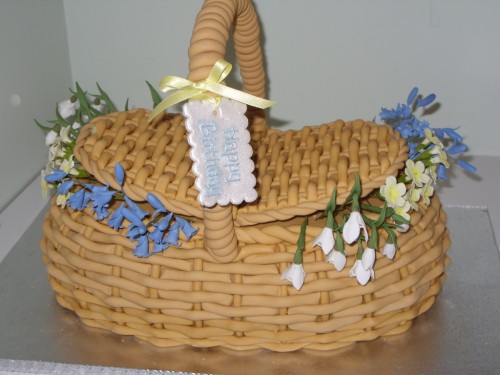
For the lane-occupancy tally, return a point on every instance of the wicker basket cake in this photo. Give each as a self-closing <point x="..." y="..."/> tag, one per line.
<point x="223" y="287"/>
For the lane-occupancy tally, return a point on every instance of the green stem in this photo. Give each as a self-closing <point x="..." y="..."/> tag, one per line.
<point x="359" y="253"/>
<point x="301" y="243"/>
<point x="373" y="241"/>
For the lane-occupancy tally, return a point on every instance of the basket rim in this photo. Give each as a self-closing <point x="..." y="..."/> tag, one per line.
<point x="264" y="209"/>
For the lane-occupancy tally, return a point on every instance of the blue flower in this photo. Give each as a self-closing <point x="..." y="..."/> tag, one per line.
<point x="426" y="101"/>
<point x="442" y="133"/>
<point x="456" y="148"/>
<point x="137" y="231"/>
<point x="100" y="198"/>
<point x="186" y="227"/>
<point x="119" y="174"/>
<point x="411" y="97"/>
<point x="141" y="214"/>
<point x="136" y="228"/>
<point x="173" y="235"/>
<point x="65" y="186"/>
<point x="159" y="246"/>
<point x="79" y="200"/>
<point x="142" y="247"/>
<point x="55" y="176"/>
<point x="455" y="137"/>
<point x="390" y="115"/>
<point x="441" y="172"/>
<point x="131" y="216"/>
<point x="156" y="203"/>
<point x="157" y="235"/>
<point x="116" y="219"/>
<point x="404" y="121"/>
<point x="161" y="227"/>
<point x="467" y="166"/>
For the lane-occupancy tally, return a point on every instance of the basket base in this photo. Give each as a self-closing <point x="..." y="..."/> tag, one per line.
<point x="181" y="297"/>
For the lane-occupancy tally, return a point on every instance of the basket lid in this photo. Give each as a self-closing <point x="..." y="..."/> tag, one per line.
<point x="296" y="170"/>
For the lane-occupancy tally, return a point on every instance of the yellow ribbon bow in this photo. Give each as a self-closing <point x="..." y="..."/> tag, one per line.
<point x="198" y="90"/>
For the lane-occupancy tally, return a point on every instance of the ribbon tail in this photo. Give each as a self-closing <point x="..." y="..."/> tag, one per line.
<point x="169" y="83"/>
<point x="239" y="96"/>
<point x="169" y="101"/>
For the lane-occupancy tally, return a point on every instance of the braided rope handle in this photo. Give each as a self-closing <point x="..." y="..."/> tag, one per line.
<point x="208" y="45"/>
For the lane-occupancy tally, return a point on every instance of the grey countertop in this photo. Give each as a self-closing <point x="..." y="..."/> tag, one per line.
<point x="460" y="334"/>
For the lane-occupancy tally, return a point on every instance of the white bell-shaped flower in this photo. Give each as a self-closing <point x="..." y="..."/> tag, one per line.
<point x="295" y="274"/>
<point x="50" y="138"/>
<point x="360" y="273"/>
<point x="326" y="240"/>
<point x="402" y="228"/>
<point x="368" y="258"/>
<point x="65" y="134"/>
<point x="99" y="107"/>
<point x="353" y="226"/>
<point x="389" y="250"/>
<point x="66" y="108"/>
<point x="337" y="259"/>
<point x="56" y="150"/>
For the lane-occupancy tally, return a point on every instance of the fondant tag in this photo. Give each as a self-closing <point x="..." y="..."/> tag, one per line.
<point x="220" y="151"/>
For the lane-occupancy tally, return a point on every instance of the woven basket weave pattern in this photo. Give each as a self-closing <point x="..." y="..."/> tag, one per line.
<point x="183" y="296"/>
<point x="223" y="287"/>
<point x="296" y="170"/>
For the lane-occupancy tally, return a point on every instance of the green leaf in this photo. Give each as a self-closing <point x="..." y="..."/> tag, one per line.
<point x="330" y="221"/>
<point x="106" y="99"/>
<point x="84" y="104"/>
<point x="367" y="220"/>
<point x="60" y="120"/>
<point x="369" y="207"/>
<point x="45" y="129"/>
<point x="332" y="203"/>
<point x="82" y="173"/>
<point x="301" y="242"/>
<point x="155" y="96"/>
<point x="381" y="217"/>
<point x="391" y="235"/>
<point x="359" y="253"/>
<point x="126" y="105"/>
<point x="373" y="241"/>
<point x="340" y="244"/>
<point x="400" y="219"/>
<point x="355" y="194"/>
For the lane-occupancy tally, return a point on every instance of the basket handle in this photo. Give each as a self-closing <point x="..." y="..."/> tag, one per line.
<point x="208" y="45"/>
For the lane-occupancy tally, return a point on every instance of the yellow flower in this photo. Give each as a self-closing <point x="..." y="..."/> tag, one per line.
<point x="56" y="150"/>
<point x="64" y="133"/>
<point x="68" y="166"/>
<point x="62" y="199"/>
<point x="439" y="155"/>
<point x="431" y="171"/>
<point x="413" y="196"/>
<point x="44" y="184"/>
<point x="430" y="137"/>
<point x="393" y="192"/>
<point x="403" y="211"/>
<point x="416" y="172"/>
<point x="427" y="193"/>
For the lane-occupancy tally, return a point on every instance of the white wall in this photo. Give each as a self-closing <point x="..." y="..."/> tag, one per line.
<point x="34" y="74"/>
<point x="326" y="59"/>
